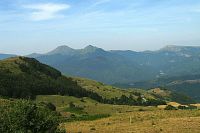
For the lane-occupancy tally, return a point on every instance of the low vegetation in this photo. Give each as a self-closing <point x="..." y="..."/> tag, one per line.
<point x="26" y="116"/>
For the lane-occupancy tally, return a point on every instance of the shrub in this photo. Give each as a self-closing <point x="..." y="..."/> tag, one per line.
<point x="93" y="129"/>
<point x="183" y="107"/>
<point x="26" y="117"/>
<point x="76" y="110"/>
<point x="189" y="107"/>
<point x="86" y="117"/>
<point x="51" y="106"/>
<point x="192" y="107"/>
<point x="141" y="109"/>
<point x="170" y="107"/>
<point x="71" y="105"/>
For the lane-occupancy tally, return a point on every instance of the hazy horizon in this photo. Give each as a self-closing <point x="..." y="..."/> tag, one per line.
<point x="97" y="47"/>
<point x="38" y="26"/>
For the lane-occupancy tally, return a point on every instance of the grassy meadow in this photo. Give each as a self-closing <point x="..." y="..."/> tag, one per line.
<point x="89" y="106"/>
<point x="105" y="118"/>
<point x="156" y="121"/>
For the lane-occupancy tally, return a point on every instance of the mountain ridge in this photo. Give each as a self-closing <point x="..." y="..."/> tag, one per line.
<point x="116" y="66"/>
<point x="66" y="50"/>
<point x="172" y="48"/>
<point x="123" y="66"/>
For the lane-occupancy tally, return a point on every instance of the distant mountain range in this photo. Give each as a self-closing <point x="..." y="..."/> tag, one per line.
<point x="117" y="66"/>
<point x="4" y="56"/>
<point x="124" y="67"/>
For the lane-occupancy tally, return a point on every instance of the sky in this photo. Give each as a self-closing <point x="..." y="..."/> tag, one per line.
<point x="38" y="26"/>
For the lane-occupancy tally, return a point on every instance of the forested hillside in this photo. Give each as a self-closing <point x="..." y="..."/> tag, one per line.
<point x="22" y="77"/>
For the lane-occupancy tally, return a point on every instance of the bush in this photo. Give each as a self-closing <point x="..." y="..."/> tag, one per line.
<point x="86" y="117"/>
<point x="182" y="107"/>
<point x="170" y="107"/>
<point x="25" y="116"/>
<point x="141" y="109"/>
<point x="71" y="105"/>
<point x="189" y="107"/>
<point x="77" y="110"/>
<point x="192" y="107"/>
<point x="49" y="105"/>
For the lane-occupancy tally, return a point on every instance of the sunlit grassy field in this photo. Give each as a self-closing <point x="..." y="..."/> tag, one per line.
<point x="157" y="121"/>
<point x="90" y="106"/>
<point x="125" y="119"/>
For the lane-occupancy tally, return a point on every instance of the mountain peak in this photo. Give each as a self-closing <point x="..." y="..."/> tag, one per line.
<point x="91" y="47"/>
<point x="63" y="50"/>
<point x="34" y="55"/>
<point x="63" y="46"/>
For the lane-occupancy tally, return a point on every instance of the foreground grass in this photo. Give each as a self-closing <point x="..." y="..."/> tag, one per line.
<point x="180" y="121"/>
<point x="105" y="118"/>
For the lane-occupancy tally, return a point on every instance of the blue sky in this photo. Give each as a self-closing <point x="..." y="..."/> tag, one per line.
<point x="28" y="26"/>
